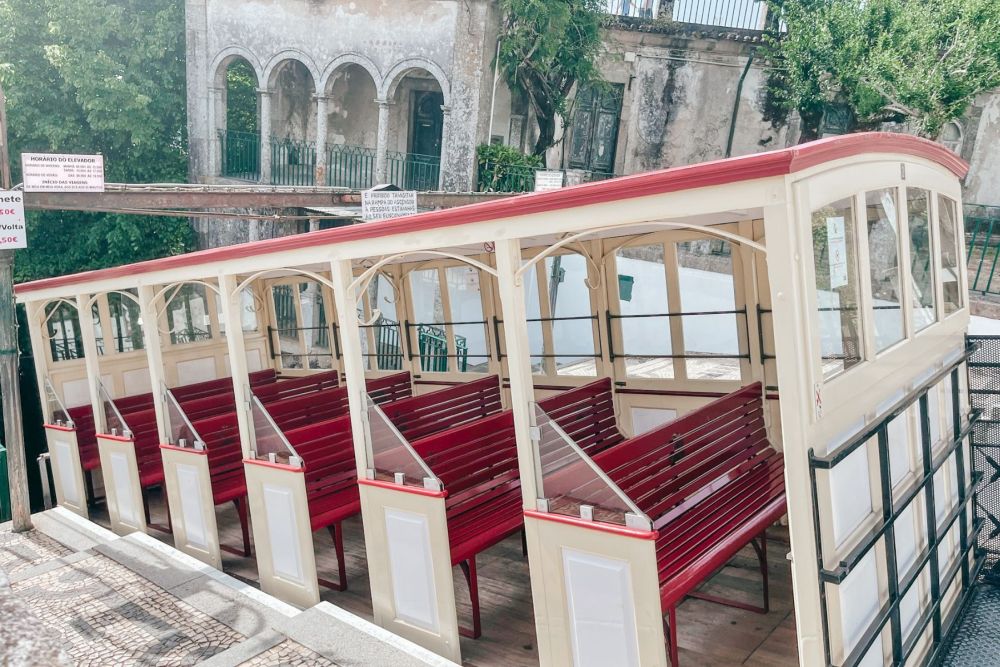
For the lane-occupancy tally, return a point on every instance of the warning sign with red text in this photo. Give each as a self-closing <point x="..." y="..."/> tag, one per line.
<point x="13" y="233"/>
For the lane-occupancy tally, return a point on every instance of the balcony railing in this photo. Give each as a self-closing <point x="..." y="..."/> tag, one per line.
<point x="739" y="14"/>
<point x="240" y="155"/>
<point x="293" y="162"/>
<point x="350" y="167"/>
<point x="411" y="171"/>
<point x="493" y="177"/>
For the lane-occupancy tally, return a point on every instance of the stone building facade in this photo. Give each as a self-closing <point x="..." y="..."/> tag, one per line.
<point x="364" y="92"/>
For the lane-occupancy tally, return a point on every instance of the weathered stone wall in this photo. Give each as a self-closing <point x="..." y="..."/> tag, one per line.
<point x="982" y="186"/>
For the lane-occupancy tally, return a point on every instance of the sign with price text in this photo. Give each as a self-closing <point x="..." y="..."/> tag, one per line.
<point x="12" y="229"/>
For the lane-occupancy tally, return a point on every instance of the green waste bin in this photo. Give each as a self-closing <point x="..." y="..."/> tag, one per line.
<point x="4" y="486"/>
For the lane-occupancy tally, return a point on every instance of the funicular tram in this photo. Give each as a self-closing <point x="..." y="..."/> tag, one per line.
<point x="646" y="377"/>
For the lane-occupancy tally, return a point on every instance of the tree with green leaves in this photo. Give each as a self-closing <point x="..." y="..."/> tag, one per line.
<point x="917" y="62"/>
<point x="97" y="76"/>
<point x="546" y="48"/>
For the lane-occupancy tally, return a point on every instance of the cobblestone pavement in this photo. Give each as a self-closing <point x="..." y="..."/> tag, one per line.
<point x="74" y="593"/>
<point x="109" y="615"/>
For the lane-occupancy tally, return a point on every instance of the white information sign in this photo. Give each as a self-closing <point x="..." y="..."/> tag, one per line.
<point x="12" y="229"/>
<point x="53" y="172"/>
<point x="385" y="204"/>
<point x="548" y="180"/>
<point x="836" y="247"/>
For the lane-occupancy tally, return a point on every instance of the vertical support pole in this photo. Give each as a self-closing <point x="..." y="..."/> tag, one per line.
<point x="212" y="141"/>
<point x="91" y="360"/>
<point x="522" y="388"/>
<point x="354" y="369"/>
<point x="382" y="142"/>
<point x="9" y="385"/>
<point x="445" y="177"/>
<point x="230" y="300"/>
<point x="321" y="166"/>
<point x="154" y="357"/>
<point x="264" y="97"/>
<point x="35" y="314"/>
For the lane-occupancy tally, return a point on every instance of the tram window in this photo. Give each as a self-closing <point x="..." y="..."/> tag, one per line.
<point x="921" y="266"/>
<point x="465" y="303"/>
<point x="385" y="332"/>
<point x="316" y="330"/>
<point x="248" y="312"/>
<point x="572" y="315"/>
<point x="705" y="275"/>
<point x="850" y="493"/>
<point x="837" y="287"/>
<point x="948" y="224"/>
<point x="95" y="316"/>
<point x="188" y="314"/>
<point x="63" y="328"/>
<point x="428" y="310"/>
<point x="645" y="325"/>
<point x="859" y="606"/>
<point x="900" y="445"/>
<point x="125" y="327"/>
<point x="886" y="278"/>
<point x="934" y="414"/>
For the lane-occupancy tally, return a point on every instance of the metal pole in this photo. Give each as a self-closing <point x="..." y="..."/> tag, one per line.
<point x="9" y="386"/>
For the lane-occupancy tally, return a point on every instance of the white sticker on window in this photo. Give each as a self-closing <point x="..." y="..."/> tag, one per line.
<point x="836" y="245"/>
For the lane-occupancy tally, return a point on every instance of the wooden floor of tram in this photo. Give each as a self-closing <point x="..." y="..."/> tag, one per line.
<point x="710" y="634"/>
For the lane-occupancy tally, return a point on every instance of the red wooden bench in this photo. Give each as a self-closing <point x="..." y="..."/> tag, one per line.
<point x="423" y="415"/>
<point x="477" y="463"/>
<point x="296" y="386"/>
<point x="711" y="483"/>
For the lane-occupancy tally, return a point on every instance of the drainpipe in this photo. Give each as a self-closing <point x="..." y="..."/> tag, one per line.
<point x="736" y="104"/>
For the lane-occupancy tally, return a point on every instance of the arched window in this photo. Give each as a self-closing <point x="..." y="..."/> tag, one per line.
<point x="951" y="137"/>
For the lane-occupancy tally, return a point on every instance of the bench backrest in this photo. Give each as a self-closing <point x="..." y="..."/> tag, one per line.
<point x="297" y="386"/>
<point x="198" y="390"/>
<point x="420" y="416"/>
<point x="473" y="453"/>
<point x="587" y="415"/>
<point x="83" y="420"/>
<point x="677" y="464"/>
<point x="390" y="388"/>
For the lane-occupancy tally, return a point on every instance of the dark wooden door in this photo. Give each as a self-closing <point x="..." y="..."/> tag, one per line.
<point x="427" y="122"/>
<point x="595" y="129"/>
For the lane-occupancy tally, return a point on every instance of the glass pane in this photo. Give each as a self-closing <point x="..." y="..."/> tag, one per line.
<point x="394" y="459"/>
<point x="385" y="331"/>
<point x="126" y="322"/>
<point x="570" y="479"/>
<point x="95" y="315"/>
<point x="536" y="340"/>
<point x="921" y="268"/>
<point x="642" y="299"/>
<point x="179" y="428"/>
<point x="883" y="251"/>
<point x="56" y="407"/>
<point x="63" y="325"/>
<point x="270" y="443"/>
<point x="569" y="297"/>
<point x="466" y="304"/>
<point x="948" y="222"/>
<point x="705" y="274"/>
<point x="248" y="311"/>
<point x="114" y="423"/>
<point x="315" y="327"/>
<point x="188" y="315"/>
<point x="837" y="292"/>
<point x="428" y="309"/>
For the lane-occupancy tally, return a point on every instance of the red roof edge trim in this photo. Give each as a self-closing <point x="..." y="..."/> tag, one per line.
<point x="731" y="170"/>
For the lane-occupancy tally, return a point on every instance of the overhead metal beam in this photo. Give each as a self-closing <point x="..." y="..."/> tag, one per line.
<point x="181" y="196"/>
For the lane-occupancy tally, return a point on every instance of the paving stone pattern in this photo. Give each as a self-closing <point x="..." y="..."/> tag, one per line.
<point x="109" y="615"/>
<point x="19" y="551"/>
<point x="288" y="654"/>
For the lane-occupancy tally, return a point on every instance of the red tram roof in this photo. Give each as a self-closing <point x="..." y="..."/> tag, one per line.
<point x="717" y="172"/>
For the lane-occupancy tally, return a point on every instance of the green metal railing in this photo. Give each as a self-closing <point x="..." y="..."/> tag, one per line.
<point x="982" y="226"/>
<point x="411" y="171"/>
<point x="240" y="155"/>
<point x="350" y="167"/>
<point x="5" y="509"/>
<point x="293" y="162"/>
<point x="388" y="351"/>
<point x="433" y="345"/>
<point x="493" y="177"/>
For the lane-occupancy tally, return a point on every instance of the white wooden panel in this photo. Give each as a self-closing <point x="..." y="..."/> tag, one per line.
<point x="646" y="419"/>
<point x="67" y="476"/>
<point x="195" y="370"/>
<point x="411" y="568"/>
<point x="254" y="361"/>
<point x="285" y="547"/>
<point x="189" y="484"/>
<point x="76" y="392"/>
<point x="907" y="544"/>
<point x="136" y="382"/>
<point x="123" y="490"/>
<point x="601" y="610"/>
<point x="859" y="601"/>
<point x="850" y="494"/>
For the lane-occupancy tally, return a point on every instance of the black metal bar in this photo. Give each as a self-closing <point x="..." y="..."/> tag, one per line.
<point x="739" y="311"/>
<point x="270" y="341"/>
<point x="636" y="355"/>
<point x="930" y="512"/>
<point x="889" y="517"/>
<point x="956" y="415"/>
<point x="496" y="335"/>
<point x="611" y="337"/>
<point x="336" y="340"/>
<point x="820" y="564"/>
<point x="764" y="356"/>
<point x="406" y="339"/>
